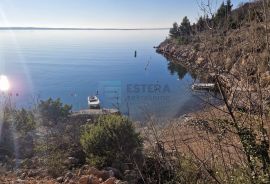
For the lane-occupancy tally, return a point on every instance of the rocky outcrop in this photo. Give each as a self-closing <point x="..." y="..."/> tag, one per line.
<point x="185" y="55"/>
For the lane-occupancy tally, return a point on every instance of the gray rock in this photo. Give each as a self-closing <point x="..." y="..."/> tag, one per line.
<point x="19" y="181"/>
<point x="33" y="173"/>
<point x="114" y="172"/>
<point x="121" y="182"/>
<point x="68" y="176"/>
<point x="60" y="179"/>
<point x="23" y="175"/>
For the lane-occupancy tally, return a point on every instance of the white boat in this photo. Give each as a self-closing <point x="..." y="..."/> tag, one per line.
<point x="93" y="102"/>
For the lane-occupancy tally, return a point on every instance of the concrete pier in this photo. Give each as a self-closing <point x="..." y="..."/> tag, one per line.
<point x="203" y="86"/>
<point x="95" y="112"/>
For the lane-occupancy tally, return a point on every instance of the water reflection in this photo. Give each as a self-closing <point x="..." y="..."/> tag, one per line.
<point x="177" y="69"/>
<point x="180" y="70"/>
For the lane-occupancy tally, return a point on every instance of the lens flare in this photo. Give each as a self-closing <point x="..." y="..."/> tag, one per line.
<point x="4" y="83"/>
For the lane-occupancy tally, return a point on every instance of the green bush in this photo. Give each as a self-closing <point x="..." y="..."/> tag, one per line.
<point x="24" y="121"/>
<point x="112" y="141"/>
<point x="53" y="112"/>
<point x="6" y="134"/>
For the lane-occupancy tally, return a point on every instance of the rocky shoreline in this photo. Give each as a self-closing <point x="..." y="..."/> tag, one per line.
<point x="185" y="55"/>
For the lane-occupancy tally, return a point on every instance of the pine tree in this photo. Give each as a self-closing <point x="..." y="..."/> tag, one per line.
<point x="174" y="31"/>
<point x="229" y="6"/>
<point x="219" y="17"/>
<point x="185" y="27"/>
<point x="201" y="24"/>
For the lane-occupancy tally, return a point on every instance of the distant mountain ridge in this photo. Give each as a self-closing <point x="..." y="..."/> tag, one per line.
<point x="71" y="28"/>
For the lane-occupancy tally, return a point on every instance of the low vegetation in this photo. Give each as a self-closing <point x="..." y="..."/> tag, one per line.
<point x="111" y="141"/>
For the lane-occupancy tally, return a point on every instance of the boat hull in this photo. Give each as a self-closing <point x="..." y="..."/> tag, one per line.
<point x="93" y="103"/>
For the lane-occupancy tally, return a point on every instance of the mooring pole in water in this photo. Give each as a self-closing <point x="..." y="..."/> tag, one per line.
<point x="135" y="54"/>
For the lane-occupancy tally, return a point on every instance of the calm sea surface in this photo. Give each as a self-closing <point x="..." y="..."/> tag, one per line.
<point x="72" y="65"/>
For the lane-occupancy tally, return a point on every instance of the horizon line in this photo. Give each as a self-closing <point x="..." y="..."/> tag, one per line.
<point x="74" y="28"/>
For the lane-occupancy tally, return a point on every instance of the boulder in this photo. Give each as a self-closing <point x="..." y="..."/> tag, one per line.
<point x="121" y="182"/>
<point x="23" y="175"/>
<point x="185" y="54"/>
<point x="72" y="182"/>
<point x="110" y="181"/>
<point x="94" y="180"/>
<point x="33" y="173"/>
<point x="68" y="176"/>
<point x="99" y="174"/>
<point x="60" y="179"/>
<point x="114" y="172"/>
<point x="84" y="180"/>
<point x="199" y="61"/>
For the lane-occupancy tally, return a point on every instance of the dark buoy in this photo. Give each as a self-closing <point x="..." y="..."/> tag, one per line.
<point x="135" y="54"/>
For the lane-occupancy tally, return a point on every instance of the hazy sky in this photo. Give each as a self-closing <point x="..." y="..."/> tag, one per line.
<point x="97" y="13"/>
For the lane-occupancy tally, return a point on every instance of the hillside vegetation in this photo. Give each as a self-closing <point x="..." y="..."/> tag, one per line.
<point x="230" y="48"/>
<point x="228" y="42"/>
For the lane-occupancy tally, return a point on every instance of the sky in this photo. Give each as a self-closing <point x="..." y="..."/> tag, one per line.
<point x="98" y="13"/>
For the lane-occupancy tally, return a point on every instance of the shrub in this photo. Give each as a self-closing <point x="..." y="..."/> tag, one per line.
<point x="24" y="121"/>
<point x="6" y="134"/>
<point x="6" y="141"/>
<point x="53" y="111"/>
<point x="55" y="143"/>
<point x="156" y="170"/>
<point x="54" y="163"/>
<point x="112" y="141"/>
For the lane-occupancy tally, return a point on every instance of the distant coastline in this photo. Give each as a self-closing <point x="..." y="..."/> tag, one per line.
<point x="86" y="29"/>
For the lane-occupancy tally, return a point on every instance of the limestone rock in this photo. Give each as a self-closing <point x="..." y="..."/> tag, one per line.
<point x="114" y="172"/>
<point x="199" y="61"/>
<point x="110" y="181"/>
<point x="68" y="176"/>
<point x="99" y="174"/>
<point x="93" y="180"/>
<point x="84" y="180"/>
<point x="60" y="179"/>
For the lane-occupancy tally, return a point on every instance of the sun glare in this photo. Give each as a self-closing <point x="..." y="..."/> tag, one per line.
<point x="4" y="83"/>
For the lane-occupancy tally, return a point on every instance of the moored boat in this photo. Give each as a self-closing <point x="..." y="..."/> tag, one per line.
<point x="93" y="102"/>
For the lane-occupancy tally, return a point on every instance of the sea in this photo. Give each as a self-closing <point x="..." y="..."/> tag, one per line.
<point x="121" y="67"/>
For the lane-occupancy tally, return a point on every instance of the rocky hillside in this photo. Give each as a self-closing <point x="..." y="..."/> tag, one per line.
<point x="85" y="175"/>
<point x="241" y="51"/>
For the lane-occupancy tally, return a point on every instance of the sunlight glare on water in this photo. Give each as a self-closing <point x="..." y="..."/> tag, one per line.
<point x="4" y="83"/>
